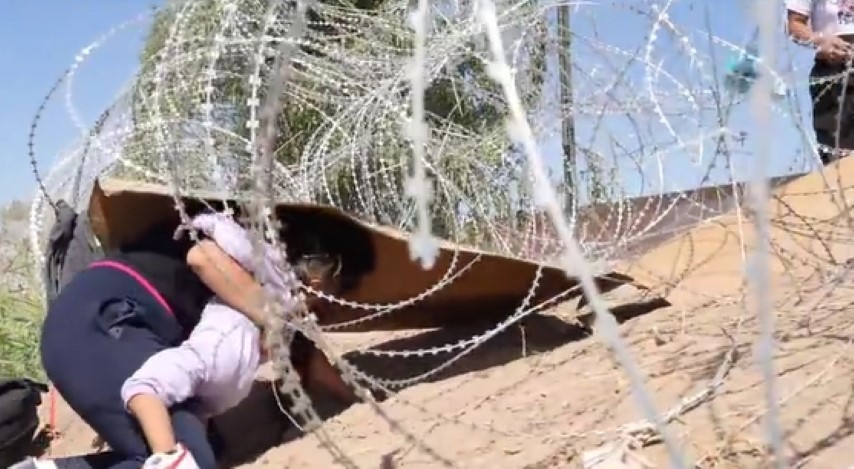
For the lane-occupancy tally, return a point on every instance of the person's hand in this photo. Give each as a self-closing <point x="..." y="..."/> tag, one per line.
<point x="234" y="240"/>
<point x="833" y="49"/>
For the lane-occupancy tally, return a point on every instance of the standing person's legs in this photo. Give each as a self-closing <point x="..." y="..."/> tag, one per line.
<point x="825" y="91"/>
<point x="91" y="345"/>
<point x="846" y="125"/>
<point x="833" y="110"/>
<point x="846" y="97"/>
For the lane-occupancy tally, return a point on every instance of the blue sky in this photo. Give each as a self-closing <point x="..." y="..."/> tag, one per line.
<point x="682" y="168"/>
<point x="42" y="37"/>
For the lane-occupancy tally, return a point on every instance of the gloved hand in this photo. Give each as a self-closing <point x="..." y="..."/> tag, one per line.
<point x="178" y="458"/>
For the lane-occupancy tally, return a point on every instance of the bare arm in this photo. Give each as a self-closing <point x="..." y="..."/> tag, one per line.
<point x="227" y="279"/>
<point x="830" y="48"/>
<point x="167" y="378"/>
<point x="153" y="417"/>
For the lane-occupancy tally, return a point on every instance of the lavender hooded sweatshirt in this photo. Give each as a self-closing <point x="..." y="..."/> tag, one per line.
<point x="218" y="361"/>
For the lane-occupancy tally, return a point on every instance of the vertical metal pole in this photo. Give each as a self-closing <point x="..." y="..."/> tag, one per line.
<point x="567" y="114"/>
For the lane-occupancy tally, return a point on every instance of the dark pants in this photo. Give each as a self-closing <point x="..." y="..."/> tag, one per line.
<point x="833" y="109"/>
<point x="98" y="332"/>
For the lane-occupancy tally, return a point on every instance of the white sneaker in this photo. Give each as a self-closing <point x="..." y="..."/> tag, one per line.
<point x="33" y="463"/>
<point x="178" y="458"/>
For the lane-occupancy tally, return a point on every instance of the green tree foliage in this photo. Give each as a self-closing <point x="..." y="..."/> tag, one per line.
<point x="172" y="94"/>
<point x="21" y="307"/>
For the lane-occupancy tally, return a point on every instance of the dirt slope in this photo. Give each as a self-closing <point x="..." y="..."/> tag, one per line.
<point x="542" y="401"/>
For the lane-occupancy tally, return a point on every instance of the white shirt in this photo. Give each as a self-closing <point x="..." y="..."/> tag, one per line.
<point x="827" y="16"/>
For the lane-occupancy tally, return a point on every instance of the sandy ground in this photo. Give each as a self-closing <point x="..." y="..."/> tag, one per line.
<point x="543" y="396"/>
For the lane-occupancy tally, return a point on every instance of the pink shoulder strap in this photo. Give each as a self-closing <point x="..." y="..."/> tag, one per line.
<point x="139" y="278"/>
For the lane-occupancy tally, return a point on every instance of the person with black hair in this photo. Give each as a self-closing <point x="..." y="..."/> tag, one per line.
<point x="141" y="299"/>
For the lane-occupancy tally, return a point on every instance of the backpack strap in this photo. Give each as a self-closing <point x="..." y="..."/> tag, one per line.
<point x="72" y="246"/>
<point x="59" y="239"/>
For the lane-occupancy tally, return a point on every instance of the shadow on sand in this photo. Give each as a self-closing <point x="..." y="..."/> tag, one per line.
<point x="240" y="430"/>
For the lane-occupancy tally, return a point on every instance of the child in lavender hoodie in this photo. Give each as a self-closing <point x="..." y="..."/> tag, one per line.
<point x="216" y="364"/>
